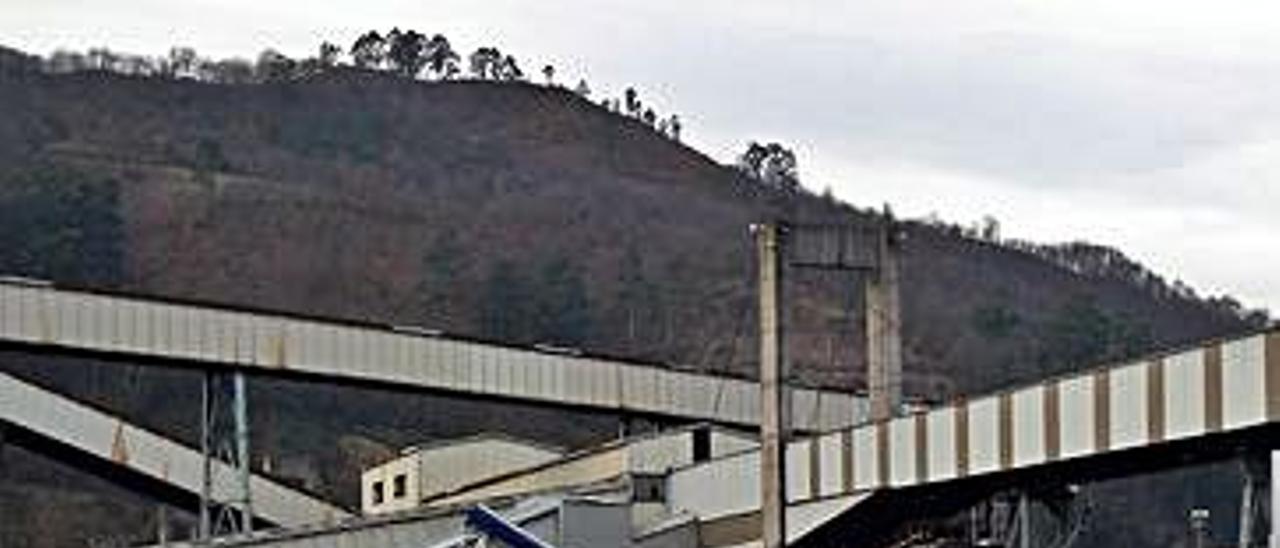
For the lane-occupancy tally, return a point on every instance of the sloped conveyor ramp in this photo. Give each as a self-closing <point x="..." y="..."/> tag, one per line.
<point x="128" y="454"/>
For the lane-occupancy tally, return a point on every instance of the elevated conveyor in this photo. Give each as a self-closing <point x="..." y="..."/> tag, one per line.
<point x="39" y="317"/>
<point x="49" y="423"/>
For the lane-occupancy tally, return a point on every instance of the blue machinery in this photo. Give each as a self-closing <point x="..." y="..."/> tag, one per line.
<point x="487" y="522"/>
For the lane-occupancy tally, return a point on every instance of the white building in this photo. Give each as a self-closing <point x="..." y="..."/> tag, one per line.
<point x="434" y="470"/>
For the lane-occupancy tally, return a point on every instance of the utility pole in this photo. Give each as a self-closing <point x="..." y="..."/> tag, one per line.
<point x="774" y="397"/>
<point x="884" y="324"/>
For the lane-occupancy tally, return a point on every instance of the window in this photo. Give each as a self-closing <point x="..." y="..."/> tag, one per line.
<point x="648" y="488"/>
<point x="702" y="444"/>
<point x="377" y="492"/>
<point x="399" y="486"/>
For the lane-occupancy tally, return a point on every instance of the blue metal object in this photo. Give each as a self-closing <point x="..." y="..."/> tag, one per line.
<point x="487" y="522"/>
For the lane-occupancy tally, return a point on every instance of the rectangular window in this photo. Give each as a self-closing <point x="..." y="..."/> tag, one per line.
<point x="702" y="444"/>
<point x="399" y="486"/>
<point x="377" y="492"/>
<point x="648" y="488"/>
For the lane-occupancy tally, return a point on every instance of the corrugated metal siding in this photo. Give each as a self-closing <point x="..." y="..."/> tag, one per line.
<point x="1076" y="401"/>
<point x="942" y="444"/>
<point x="1245" y="382"/>
<point x="1028" y="426"/>
<point x="1220" y="386"/>
<point x="1184" y="404"/>
<point x="97" y="322"/>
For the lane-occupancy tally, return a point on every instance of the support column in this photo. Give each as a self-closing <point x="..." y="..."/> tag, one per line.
<point x="240" y="401"/>
<point x="774" y="400"/>
<point x="1255" y="522"/>
<point x="1273" y="460"/>
<point x="883" y="326"/>
<point x="205" y="531"/>
<point x="1024" y="520"/>
<point x="225" y="506"/>
<point x="162" y="525"/>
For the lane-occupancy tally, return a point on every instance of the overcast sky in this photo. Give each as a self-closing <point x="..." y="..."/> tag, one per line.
<point x="1148" y="125"/>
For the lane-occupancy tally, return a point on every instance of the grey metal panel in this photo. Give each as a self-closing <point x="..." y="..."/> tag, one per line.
<point x="902" y="451"/>
<point x="589" y="525"/>
<point x="984" y="435"/>
<point x="1244" y="378"/>
<point x="1184" y="396"/>
<point x="110" y="323"/>
<point x="1029" y="426"/>
<point x="1077" y="406"/>
<point x="942" y="457"/>
<point x="1128" y="405"/>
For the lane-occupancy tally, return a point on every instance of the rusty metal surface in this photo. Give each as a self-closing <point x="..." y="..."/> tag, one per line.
<point x="152" y="331"/>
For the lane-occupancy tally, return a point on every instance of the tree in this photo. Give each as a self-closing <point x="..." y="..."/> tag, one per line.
<point x="328" y="54"/>
<point x="563" y="310"/>
<point x="649" y="117"/>
<point x="510" y="70"/>
<point x="182" y="62"/>
<point x="675" y="127"/>
<point x="102" y="59"/>
<point x="137" y="65"/>
<point x="632" y="102"/>
<point x="442" y="263"/>
<point x="990" y="229"/>
<point x="484" y="63"/>
<point x="441" y="59"/>
<point x="61" y="223"/>
<point x="506" y="307"/>
<point x="274" y="66"/>
<point x="637" y="301"/>
<point x="583" y="90"/>
<point x="231" y="71"/>
<point x="368" y="50"/>
<point x="406" y="52"/>
<point x="65" y="62"/>
<point x="773" y="165"/>
<point x="549" y="73"/>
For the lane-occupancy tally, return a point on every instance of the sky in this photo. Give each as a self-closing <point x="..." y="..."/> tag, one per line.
<point x="1152" y="126"/>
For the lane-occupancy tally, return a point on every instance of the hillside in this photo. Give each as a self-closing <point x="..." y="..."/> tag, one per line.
<point x="500" y="210"/>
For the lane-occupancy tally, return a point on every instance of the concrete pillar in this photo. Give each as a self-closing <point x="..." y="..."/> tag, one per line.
<point x="774" y="404"/>
<point x="883" y="328"/>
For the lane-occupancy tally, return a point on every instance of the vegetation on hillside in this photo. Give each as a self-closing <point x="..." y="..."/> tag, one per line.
<point x="488" y="208"/>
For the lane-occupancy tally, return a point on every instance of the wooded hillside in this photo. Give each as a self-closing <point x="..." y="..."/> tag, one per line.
<point x="500" y="210"/>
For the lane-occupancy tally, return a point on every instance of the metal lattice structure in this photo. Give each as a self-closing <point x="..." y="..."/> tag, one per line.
<point x="225" y="437"/>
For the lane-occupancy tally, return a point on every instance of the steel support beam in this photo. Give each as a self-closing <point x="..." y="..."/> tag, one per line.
<point x="224" y="427"/>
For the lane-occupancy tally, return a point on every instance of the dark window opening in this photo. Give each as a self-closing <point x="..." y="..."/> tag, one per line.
<point x="648" y="488"/>
<point x="377" y="492"/>
<point x="702" y="444"/>
<point x="399" y="486"/>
